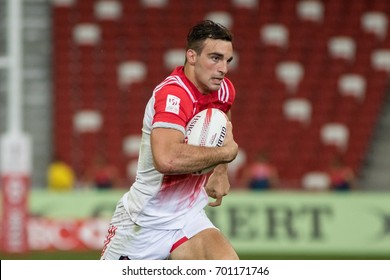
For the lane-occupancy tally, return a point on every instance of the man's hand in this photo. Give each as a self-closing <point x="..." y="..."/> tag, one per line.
<point x="218" y="185"/>
<point x="229" y="142"/>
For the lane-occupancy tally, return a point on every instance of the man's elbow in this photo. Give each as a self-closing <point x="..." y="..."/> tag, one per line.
<point x="164" y="166"/>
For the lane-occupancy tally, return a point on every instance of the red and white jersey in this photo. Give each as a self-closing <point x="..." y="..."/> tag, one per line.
<point x="163" y="201"/>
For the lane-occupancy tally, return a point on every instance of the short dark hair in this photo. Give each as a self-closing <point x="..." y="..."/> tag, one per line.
<point x="204" y="30"/>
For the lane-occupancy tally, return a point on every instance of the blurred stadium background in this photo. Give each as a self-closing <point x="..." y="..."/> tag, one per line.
<point x="311" y="79"/>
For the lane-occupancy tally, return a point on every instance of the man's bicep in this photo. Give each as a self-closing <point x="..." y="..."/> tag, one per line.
<point x="163" y="141"/>
<point x="164" y="136"/>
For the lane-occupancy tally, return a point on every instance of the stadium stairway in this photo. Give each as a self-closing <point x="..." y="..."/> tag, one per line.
<point x="3" y="44"/>
<point x="375" y="175"/>
<point x="37" y="102"/>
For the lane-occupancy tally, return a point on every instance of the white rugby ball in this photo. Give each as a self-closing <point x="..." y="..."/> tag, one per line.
<point x="207" y="129"/>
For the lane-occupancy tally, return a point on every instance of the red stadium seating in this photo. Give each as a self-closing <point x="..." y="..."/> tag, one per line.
<point x="86" y="75"/>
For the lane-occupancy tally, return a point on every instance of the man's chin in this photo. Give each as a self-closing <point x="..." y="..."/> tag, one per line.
<point x="215" y="87"/>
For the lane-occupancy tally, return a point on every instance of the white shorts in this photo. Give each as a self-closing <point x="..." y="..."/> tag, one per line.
<point x="128" y="241"/>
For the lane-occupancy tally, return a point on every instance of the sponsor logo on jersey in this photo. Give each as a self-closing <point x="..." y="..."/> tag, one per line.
<point x="173" y="104"/>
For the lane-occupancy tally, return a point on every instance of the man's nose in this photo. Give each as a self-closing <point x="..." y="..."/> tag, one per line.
<point x="223" y="67"/>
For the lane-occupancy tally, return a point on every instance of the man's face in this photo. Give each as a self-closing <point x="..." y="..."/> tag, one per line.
<point x="211" y="65"/>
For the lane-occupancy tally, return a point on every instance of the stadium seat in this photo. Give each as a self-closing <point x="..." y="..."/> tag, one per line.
<point x="310" y="10"/>
<point x="86" y="34"/>
<point x="352" y="85"/>
<point x="290" y="73"/>
<point x="298" y="109"/>
<point x="343" y="47"/>
<point x="375" y="23"/>
<point x="380" y="60"/>
<point x="154" y="3"/>
<point x="87" y="121"/>
<point x="173" y="58"/>
<point x="108" y="10"/>
<point x="274" y="35"/>
<point x="131" y="145"/>
<point x="335" y="134"/>
<point x="130" y="72"/>
<point x="316" y="181"/>
<point x="221" y="17"/>
<point x="248" y="4"/>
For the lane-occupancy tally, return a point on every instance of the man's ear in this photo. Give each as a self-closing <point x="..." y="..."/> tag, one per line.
<point x="191" y="56"/>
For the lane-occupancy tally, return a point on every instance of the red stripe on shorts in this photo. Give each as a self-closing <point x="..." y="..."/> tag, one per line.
<point x="178" y="243"/>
